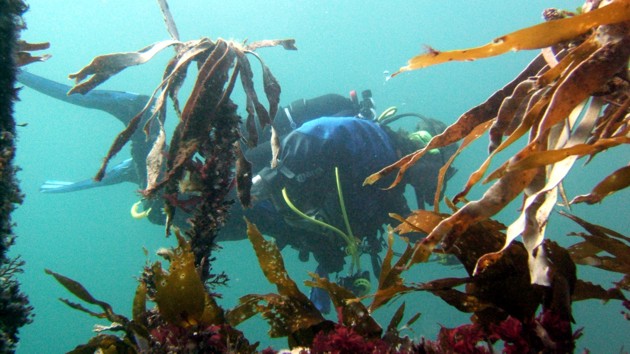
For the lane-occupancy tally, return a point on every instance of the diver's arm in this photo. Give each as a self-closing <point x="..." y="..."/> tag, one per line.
<point x="122" y="105"/>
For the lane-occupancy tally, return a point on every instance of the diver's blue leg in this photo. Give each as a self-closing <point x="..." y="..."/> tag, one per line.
<point x="123" y="172"/>
<point x="319" y="297"/>
<point x="122" y="105"/>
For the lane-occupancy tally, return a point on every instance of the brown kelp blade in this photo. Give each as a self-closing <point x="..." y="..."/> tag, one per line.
<point x="272" y="264"/>
<point x="168" y="19"/>
<point x="418" y="221"/>
<point x="493" y="200"/>
<point x="121" y="140"/>
<point x="271" y="87"/>
<point x="79" y="291"/>
<point x="105" y="66"/>
<point x="584" y="80"/>
<point x="288" y="44"/>
<point x="201" y="109"/>
<point x="24" y="57"/>
<point x="511" y="110"/>
<point x="460" y="300"/>
<point x="527" y="122"/>
<point x="405" y="225"/>
<point x="616" y="181"/>
<point x="535" y="37"/>
<point x="586" y="290"/>
<point x="464" y="125"/>
<point x="603" y="239"/>
<point x="179" y="292"/>
<point x="605" y="249"/>
<point x="173" y="77"/>
<point x="247" y="80"/>
<point x="477" y="132"/>
<point x="139" y="305"/>
<point x="284" y="315"/>
<point x="543" y="196"/>
<point x="29" y="47"/>
<point x="155" y="159"/>
<point x="289" y="313"/>
<point x="549" y="157"/>
<point x="395" y="320"/>
<point x="390" y="282"/>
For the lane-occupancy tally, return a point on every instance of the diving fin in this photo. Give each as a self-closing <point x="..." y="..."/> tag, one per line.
<point x="318" y="296"/>
<point x="123" y="172"/>
<point x="53" y="186"/>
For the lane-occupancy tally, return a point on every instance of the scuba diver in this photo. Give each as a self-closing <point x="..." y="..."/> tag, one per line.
<point x="316" y="189"/>
<point x="313" y="200"/>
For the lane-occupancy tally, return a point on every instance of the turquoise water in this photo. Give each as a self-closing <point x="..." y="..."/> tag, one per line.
<point x="89" y="236"/>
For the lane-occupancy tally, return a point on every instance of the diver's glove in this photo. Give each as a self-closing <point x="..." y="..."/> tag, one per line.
<point x="123" y="172"/>
<point x="262" y="184"/>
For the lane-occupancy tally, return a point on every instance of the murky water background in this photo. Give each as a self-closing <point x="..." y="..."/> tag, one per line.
<point x="90" y="236"/>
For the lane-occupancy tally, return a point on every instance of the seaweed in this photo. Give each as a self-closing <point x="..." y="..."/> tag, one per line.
<point x="572" y="100"/>
<point x="571" y="106"/>
<point x="186" y="317"/>
<point x="289" y="313"/>
<point x="204" y="146"/>
<point x="589" y="252"/>
<point x="194" y="172"/>
<point x="539" y="36"/>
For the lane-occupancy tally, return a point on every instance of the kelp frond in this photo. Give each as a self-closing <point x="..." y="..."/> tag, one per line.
<point x="289" y="312"/>
<point x="535" y="37"/>
<point x="203" y="149"/>
<point x="136" y="335"/>
<point x="604" y="249"/>
<point x="180" y="293"/>
<point x="24" y="57"/>
<point x="612" y="183"/>
<point x="204" y="146"/>
<point x="573" y="101"/>
<point x="186" y="315"/>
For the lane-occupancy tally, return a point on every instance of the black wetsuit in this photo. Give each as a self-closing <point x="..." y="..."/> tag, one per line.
<point x="293" y="116"/>
<point x="308" y="158"/>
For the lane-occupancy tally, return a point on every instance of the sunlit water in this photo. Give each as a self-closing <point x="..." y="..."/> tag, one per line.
<point x="90" y="236"/>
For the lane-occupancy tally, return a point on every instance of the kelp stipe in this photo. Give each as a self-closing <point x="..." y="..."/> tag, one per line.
<point x="204" y="145"/>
